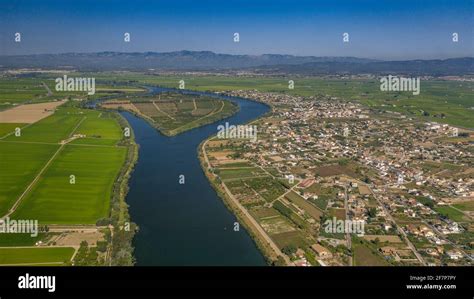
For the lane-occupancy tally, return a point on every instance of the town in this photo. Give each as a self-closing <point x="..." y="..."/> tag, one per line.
<point x="318" y="158"/>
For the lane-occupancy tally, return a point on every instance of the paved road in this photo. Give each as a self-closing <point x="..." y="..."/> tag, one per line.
<point x="399" y="229"/>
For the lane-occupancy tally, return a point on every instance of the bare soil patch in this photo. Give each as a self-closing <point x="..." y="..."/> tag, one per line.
<point x="29" y="113"/>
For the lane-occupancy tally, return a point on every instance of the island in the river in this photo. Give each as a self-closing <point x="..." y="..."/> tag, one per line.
<point x="172" y="112"/>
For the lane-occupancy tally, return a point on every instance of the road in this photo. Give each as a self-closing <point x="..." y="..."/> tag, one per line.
<point x="244" y="211"/>
<point x="17" y="202"/>
<point x="399" y="229"/>
<point x="348" y="235"/>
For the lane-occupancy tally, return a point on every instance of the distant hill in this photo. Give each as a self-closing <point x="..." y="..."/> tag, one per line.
<point x="265" y="64"/>
<point x="447" y="67"/>
<point x="180" y="60"/>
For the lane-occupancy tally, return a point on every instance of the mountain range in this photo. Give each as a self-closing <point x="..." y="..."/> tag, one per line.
<point x="210" y="61"/>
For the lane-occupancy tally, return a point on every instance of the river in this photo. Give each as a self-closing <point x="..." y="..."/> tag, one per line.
<point x="184" y="224"/>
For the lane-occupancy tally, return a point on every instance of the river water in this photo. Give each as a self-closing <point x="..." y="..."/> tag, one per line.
<point x="184" y="224"/>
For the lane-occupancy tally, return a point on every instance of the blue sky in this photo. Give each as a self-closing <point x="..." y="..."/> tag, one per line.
<point x="378" y="29"/>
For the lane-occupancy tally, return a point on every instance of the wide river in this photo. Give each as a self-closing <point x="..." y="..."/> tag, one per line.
<point x="184" y="224"/>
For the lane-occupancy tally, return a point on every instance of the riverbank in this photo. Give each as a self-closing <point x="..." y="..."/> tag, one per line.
<point x="179" y="114"/>
<point x="185" y="224"/>
<point x="123" y="230"/>
<point x="271" y="256"/>
<point x="271" y="252"/>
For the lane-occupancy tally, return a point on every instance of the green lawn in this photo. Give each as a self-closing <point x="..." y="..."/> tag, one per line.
<point x="54" y="200"/>
<point x="35" y="255"/>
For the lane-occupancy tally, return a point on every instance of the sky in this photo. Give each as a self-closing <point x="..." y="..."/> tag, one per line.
<point x="389" y="30"/>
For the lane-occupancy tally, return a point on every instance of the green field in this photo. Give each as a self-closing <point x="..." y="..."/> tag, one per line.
<point x="174" y="113"/>
<point x="304" y="204"/>
<point x="52" y="129"/>
<point x="240" y="173"/>
<point x="20" y="90"/>
<point x="32" y="255"/>
<point x="465" y="206"/>
<point x="7" y="128"/>
<point x="7" y="240"/>
<point x="451" y="213"/>
<point x="54" y="200"/>
<point x="19" y="164"/>
<point x="363" y="256"/>
<point x="453" y="99"/>
<point x="99" y="129"/>
<point x="269" y="188"/>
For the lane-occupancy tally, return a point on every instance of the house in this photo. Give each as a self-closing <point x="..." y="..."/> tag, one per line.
<point x="454" y="254"/>
<point x="321" y="251"/>
<point x="388" y="250"/>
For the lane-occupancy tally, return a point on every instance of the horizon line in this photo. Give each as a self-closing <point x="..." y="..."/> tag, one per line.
<point x="230" y="54"/>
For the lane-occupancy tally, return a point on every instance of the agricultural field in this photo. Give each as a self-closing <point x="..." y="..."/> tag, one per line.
<point x="441" y="101"/>
<point x="35" y="256"/>
<point x="310" y="209"/>
<point x="241" y="173"/>
<point x="35" y="181"/>
<point x="365" y="256"/>
<point x="20" y="163"/>
<point x="36" y="88"/>
<point x="9" y="128"/>
<point x="13" y="240"/>
<point x="451" y="213"/>
<point x="52" y="129"/>
<point x="465" y="206"/>
<point x="174" y="113"/>
<point x="54" y="200"/>
<point x="267" y="187"/>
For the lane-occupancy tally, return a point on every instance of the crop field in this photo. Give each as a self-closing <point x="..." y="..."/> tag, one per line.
<point x="240" y="173"/>
<point x="173" y="113"/>
<point x="451" y="213"/>
<point x="149" y="109"/>
<point x="52" y="129"/>
<point x="267" y="187"/>
<point x="305" y="205"/>
<point x="54" y="200"/>
<point x="284" y="239"/>
<point x="37" y="166"/>
<point x="7" y="240"/>
<point x="41" y="88"/>
<point x="262" y="213"/>
<point x="98" y="129"/>
<point x="465" y="206"/>
<point x="32" y="255"/>
<point x="9" y="128"/>
<point x="29" y="113"/>
<point x="15" y="90"/>
<point x="276" y="225"/>
<point x="19" y="164"/>
<point x="363" y="256"/>
<point x="444" y="101"/>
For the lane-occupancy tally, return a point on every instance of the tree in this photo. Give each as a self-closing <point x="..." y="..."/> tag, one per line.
<point x="372" y="212"/>
<point x="289" y="249"/>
